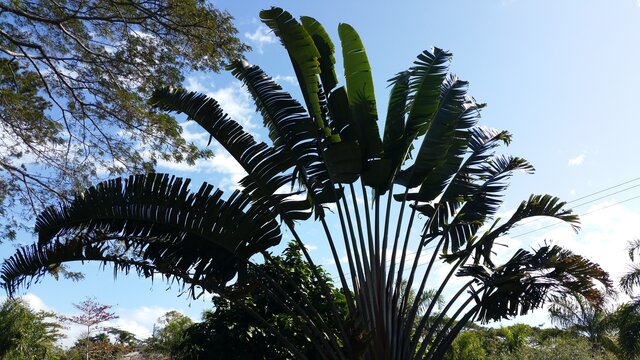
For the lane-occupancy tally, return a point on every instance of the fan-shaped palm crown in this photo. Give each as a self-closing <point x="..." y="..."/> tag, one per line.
<point x="328" y="153"/>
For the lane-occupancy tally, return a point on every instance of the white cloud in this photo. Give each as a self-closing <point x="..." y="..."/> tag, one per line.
<point x="606" y="229"/>
<point x="260" y="37"/>
<point x="222" y="163"/>
<point x="310" y="247"/>
<point x="576" y="160"/>
<point x="194" y="84"/>
<point x="236" y="102"/>
<point x="289" y="78"/>
<point x="138" y="321"/>
<point x="35" y="302"/>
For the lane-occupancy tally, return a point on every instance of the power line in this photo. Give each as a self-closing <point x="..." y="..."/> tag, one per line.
<point x="603" y="190"/>
<point x="569" y="202"/>
<point x="583" y="214"/>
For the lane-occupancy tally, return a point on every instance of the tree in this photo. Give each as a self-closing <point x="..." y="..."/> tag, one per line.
<point x="25" y="334"/>
<point x="592" y="321"/>
<point x="74" y="76"/>
<point x="229" y="329"/>
<point x="91" y="315"/>
<point x="320" y="155"/>
<point x="166" y="339"/>
<point x="627" y="316"/>
<point x="533" y="343"/>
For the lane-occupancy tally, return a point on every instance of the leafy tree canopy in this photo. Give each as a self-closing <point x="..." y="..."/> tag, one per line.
<point x="74" y="77"/>
<point x="230" y="328"/>
<point x="26" y="334"/>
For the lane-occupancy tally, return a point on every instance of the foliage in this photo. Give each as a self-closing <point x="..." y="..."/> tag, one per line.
<point x="627" y="316"/>
<point x="166" y="339"/>
<point x="91" y="315"/>
<point x="329" y="155"/>
<point x="631" y="280"/>
<point x="102" y="348"/>
<point x="74" y="76"/>
<point x="25" y="334"/>
<point x="577" y="314"/>
<point x="229" y="329"/>
<point x="547" y="344"/>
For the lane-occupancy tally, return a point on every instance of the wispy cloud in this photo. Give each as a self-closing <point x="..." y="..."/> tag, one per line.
<point x="576" y="161"/>
<point x="289" y="78"/>
<point x="261" y="37"/>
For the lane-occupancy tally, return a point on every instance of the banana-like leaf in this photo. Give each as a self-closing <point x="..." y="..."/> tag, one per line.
<point x="528" y="280"/>
<point x="341" y="120"/>
<point x="289" y="125"/>
<point x="484" y="202"/>
<point x="467" y="180"/>
<point x="360" y="91"/>
<point x="326" y="49"/>
<point x="444" y="144"/>
<point x="427" y="76"/>
<point x="267" y="167"/>
<point x="304" y="57"/>
<point x="394" y="128"/>
<point x="156" y="221"/>
<point x="537" y="205"/>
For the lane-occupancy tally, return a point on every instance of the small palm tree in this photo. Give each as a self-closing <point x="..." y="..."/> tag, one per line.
<point x="627" y="316"/>
<point x="594" y="321"/>
<point x="432" y="163"/>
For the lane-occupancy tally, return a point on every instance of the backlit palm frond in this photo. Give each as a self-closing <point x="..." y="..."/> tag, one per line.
<point x="484" y="202"/>
<point x="360" y="91"/>
<point x="528" y="280"/>
<point x="304" y="57"/>
<point x="444" y="144"/>
<point x="157" y="218"/>
<point x="289" y="126"/>
<point x="326" y="50"/>
<point x="427" y="75"/>
<point x="469" y="178"/>
<point x="267" y="167"/>
<point x="631" y="279"/>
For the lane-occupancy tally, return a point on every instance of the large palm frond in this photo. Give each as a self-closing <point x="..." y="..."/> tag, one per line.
<point x="150" y="223"/>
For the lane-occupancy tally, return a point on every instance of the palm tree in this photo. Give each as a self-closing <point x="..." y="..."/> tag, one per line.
<point x="627" y="316"/>
<point x="432" y="162"/>
<point x="594" y="321"/>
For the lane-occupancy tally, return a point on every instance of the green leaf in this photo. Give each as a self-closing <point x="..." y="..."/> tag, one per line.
<point x="326" y="49"/>
<point x="360" y="91"/>
<point x="445" y="142"/>
<point x="304" y="57"/>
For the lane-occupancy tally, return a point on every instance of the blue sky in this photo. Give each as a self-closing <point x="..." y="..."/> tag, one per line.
<point x="562" y="76"/>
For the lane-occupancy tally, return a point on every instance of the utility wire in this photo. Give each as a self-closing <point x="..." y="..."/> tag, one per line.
<point x="575" y="206"/>
<point x="583" y="214"/>
<point x="603" y="190"/>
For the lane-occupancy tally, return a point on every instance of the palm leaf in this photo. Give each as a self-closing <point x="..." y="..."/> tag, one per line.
<point x="443" y="146"/>
<point x="304" y="57"/>
<point x="360" y="92"/>
<point x="159" y="222"/>
<point x="427" y="76"/>
<point x="484" y="202"/>
<point x="528" y="280"/>
<point x="264" y="165"/>
<point x="326" y="49"/>
<point x="290" y="127"/>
